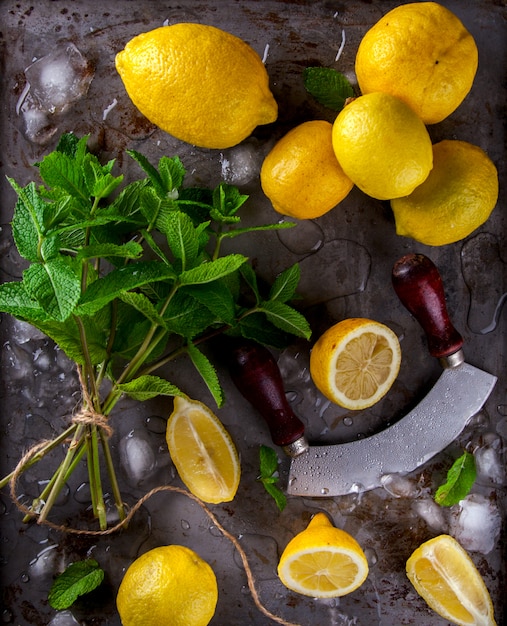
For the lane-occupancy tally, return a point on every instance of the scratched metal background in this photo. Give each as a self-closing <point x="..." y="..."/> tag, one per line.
<point x="352" y="249"/>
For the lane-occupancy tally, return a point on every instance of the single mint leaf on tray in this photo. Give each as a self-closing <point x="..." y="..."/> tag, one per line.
<point x="460" y="479"/>
<point x="328" y="86"/>
<point x="77" y="580"/>
<point x="268" y="475"/>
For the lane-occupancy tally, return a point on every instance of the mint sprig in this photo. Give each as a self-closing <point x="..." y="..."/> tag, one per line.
<point x="328" y="86"/>
<point x="80" y="578"/>
<point x="124" y="285"/>
<point x="269" y="475"/>
<point x="460" y="478"/>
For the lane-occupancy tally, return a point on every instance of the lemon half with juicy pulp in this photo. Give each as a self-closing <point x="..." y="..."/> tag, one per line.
<point x="323" y="561"/>
<point x="422" y="53"/>
<point x="170" y="585"/>
<point x="198" y="83"/>
<point x="355" y="362"/>
<point x="202" y="451"/>
<point x="446" y="577"/>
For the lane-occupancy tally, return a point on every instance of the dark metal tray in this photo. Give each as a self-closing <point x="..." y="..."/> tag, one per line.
<point x="351" y="249"/>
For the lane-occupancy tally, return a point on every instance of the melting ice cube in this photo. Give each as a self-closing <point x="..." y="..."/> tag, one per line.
<point x="137" y="457"/>
<point x="64" y="618"/>
<point x="59" y="78"/>
<point x="477" y="524"/>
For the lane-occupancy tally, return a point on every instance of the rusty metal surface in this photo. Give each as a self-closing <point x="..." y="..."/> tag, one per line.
<point x="351" y="249"/>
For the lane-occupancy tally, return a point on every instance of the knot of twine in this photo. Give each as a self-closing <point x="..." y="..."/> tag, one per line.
<point x="87" y="415"/>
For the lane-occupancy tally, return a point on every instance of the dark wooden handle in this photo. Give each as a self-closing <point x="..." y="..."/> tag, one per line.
<point x="419" y="286"/>
<point x="255" y="373"/>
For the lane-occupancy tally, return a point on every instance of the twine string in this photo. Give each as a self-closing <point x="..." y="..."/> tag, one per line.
<point x="86" y="415"/>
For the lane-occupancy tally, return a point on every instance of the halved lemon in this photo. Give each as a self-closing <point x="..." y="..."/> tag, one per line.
<point x="355" y="362"/>
<point x="323" y="561"/>
<point x="202" y="451"/>
<point x="445" y="576"/>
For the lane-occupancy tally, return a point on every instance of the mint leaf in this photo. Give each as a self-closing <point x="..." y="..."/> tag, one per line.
<point x="172" y="173"/>
<point x="144" y="305"/>
<point x="460" y="479"/>
<point x="77" y="580"/>
<point x="256" y="327"/>
<point x="213" y="270"/>
<point x="268" y="470"/>
<point x="329" y="87"/>
<point x="111" y="286"/>
<point x="62" y="171"/>
<point x="231" y="234"/>
<point x="150" y="170"/>
<point x="129" y="250"/>
<point x="268" y="461"/>
<point x="217" y="297"/>
<point x="186" y="316"/>
<point x="208" y="373"/>
<point x="182" y="237"/>
<point x="28" y="221"/>
<point x="147" y="387"/>
<point x="226" y="202"/>
<point x="284" y="287"/>
<point x="55" y="286"/>
<point x="286" y="318"/>
<point x="99" y="180"/>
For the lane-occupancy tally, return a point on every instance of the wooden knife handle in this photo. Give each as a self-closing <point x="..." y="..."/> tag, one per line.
<point x="419" y="286"/>
<point x="255" y="373"/>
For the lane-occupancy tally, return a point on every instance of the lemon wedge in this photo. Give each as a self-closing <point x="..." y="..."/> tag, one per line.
<point x="202" y="451"/>
<point x="445" y="576"/>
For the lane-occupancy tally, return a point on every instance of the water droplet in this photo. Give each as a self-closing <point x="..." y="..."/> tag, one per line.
<point x="348" y="421"/>
<point x="324" y="491"/>
<point x="215" y="531"/>
<point x="306" y="237"/>
<point x="24" y="577"/>
<point x="156" y="424"/>
<point x="185" y="524"/>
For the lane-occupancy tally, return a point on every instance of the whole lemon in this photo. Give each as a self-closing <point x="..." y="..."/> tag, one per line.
<point x="198" y="83"/>
<point x="301" y="175"/>
<point x="168" y="585"/>
<point x="422" y="53"/>
<point x="457" y="197"/>
<point x="382" y="145"/>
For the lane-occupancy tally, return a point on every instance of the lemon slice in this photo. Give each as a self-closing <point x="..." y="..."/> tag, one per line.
<point x="323" y="561"/>
<point x="202" y="451"/>
<point x="355" y="362"/>
<point x="446" y="577"/>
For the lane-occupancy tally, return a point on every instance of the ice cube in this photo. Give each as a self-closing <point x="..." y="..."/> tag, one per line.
<point x="60" y="78"/>
<point x="63" y="618"/>
<point x="241" y="164"/>
<point x="431" y="513"/>
<point x="137" y="457"/>
<point x="476" y="523"/>
<point x="400" y="486"/>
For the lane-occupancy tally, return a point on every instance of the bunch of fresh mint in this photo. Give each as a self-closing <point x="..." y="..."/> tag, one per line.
<point x="124" y="282"/>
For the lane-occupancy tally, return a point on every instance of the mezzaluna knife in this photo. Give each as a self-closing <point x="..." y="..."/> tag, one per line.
<point x="339" y="469"/>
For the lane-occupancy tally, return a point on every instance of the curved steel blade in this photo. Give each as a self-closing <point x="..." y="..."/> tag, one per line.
<point x="333" y="470"/>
